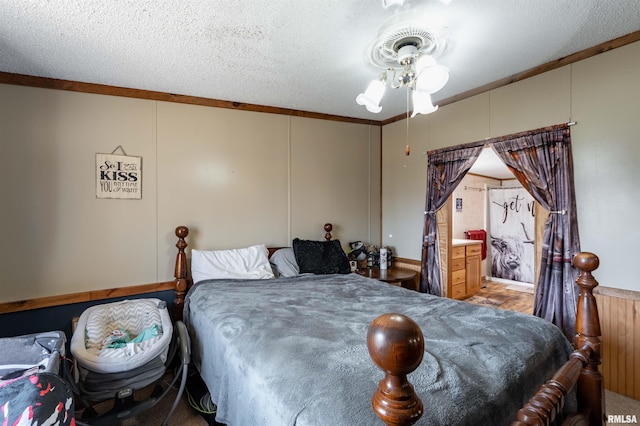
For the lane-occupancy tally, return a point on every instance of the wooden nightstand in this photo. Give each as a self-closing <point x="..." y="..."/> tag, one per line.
<point x="395" y="276"/>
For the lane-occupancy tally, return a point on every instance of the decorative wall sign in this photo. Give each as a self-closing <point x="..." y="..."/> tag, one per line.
<point x="118" y="176"/>
<point x="458" y="204"/>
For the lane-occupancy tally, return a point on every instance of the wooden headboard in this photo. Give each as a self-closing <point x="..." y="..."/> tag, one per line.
<point x="183" y="277"/>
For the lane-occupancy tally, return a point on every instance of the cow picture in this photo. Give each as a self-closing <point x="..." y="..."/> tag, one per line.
<point x="507" y="255"/>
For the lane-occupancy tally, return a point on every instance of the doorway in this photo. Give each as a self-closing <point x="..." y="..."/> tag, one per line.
<point x="541" y="159"/>
<point x="469" y="209"/>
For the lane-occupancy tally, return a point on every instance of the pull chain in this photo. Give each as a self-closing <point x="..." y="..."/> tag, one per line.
<point x="407" y="149"/>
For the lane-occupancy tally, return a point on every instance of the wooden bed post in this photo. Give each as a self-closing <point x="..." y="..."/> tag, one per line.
<point x="590" y="383"/>
<point x="396" y="345"/>
<point x="582" y="368"/>
<point x="180" y="273"/>
<point x="327" y="229"/>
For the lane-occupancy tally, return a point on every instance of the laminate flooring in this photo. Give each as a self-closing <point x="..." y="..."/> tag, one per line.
<point x="502" y="296"/>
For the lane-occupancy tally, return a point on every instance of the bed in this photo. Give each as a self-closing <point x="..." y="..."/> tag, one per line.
<point x="337" y="348"/>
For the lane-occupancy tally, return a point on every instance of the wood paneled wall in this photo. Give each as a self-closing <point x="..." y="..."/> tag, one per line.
<point x="620" y="340"/>
<point x="411" y="264"/>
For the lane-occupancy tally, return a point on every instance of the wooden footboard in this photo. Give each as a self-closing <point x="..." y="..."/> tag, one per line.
<point x="396" y="403"/>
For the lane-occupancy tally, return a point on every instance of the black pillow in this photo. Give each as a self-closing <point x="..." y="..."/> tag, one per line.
<point x="320" y="257"/>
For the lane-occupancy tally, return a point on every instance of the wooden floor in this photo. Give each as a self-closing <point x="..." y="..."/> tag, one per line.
<point x="504" y="296"/>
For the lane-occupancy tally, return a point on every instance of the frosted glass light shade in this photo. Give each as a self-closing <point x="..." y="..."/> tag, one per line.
<point x="389" y="3"/>
<point x="422" y="103"/>
<point x="372" y="96"/>
<point x="425" y="61"/>
<point x="432" y="78"/>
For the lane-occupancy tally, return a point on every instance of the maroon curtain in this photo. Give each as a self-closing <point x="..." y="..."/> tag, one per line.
<point x="542" y="162"/>
<point x="445" y="170"/>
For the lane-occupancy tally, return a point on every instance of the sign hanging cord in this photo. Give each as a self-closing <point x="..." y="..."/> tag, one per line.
<point x="119" y="147"/>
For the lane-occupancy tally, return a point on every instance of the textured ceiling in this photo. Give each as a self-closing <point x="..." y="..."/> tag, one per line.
<point x="306" y="55"/>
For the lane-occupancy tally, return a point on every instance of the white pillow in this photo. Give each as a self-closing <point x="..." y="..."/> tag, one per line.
<point x="244" y="263"/>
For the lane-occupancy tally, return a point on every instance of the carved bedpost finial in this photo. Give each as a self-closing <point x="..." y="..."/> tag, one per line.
<point x="180" y="272"/>
<point x="590" y="383"/>
<point x="396" y="346"/>
<point x="328" y="228"/>
<point x="582" y="367"/>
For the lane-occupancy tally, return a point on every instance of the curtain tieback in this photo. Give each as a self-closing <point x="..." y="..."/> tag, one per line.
<point x="562" y="212"/>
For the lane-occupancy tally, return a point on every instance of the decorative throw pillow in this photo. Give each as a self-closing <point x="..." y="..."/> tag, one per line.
<point x="285" y="262"/>
<point x="244" y="263"/>
<point x="320" y="257"/>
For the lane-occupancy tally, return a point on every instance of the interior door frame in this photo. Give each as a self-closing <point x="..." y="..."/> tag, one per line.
<point x="445" y="221"/>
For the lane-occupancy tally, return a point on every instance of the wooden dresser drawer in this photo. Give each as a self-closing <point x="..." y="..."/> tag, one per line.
<point x="457" y="291"/>
<point x="457" y="264"/>
<point x="474" y="249"/>
<point x="459" y="277"/>
<point x="457" y="252"/>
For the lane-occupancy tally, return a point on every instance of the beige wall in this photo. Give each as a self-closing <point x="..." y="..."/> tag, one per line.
<point x="602" y="94"/>
<point x="472" y="191"/>
<point x="239" y="178"/>
<point x="235" y="178"/>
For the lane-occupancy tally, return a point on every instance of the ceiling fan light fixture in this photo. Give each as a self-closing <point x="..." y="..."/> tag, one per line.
<point x="407" y="46"/>
<point x="422" y="103"/>
<point x="432" y="79"/>
<point x="389" y="3"/>
<point x="406" y="53"/>
<point x="425" y="61"/>
<point x="373" y="95"/>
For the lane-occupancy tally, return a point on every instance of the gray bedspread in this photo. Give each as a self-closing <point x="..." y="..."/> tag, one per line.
<point x="293" y="351"/>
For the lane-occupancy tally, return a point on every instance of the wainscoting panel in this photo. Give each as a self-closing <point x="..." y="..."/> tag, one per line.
<point x="620" y="340"/>
<point x="411" y="264"/>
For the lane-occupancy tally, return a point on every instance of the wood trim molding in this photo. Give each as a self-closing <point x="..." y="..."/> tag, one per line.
<point x="405" y="261"/>
<point x="558" y="63"/>
<point x="617" y="292"/>
<point x="101" y="89"/>
<point x="86" y="296"/>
